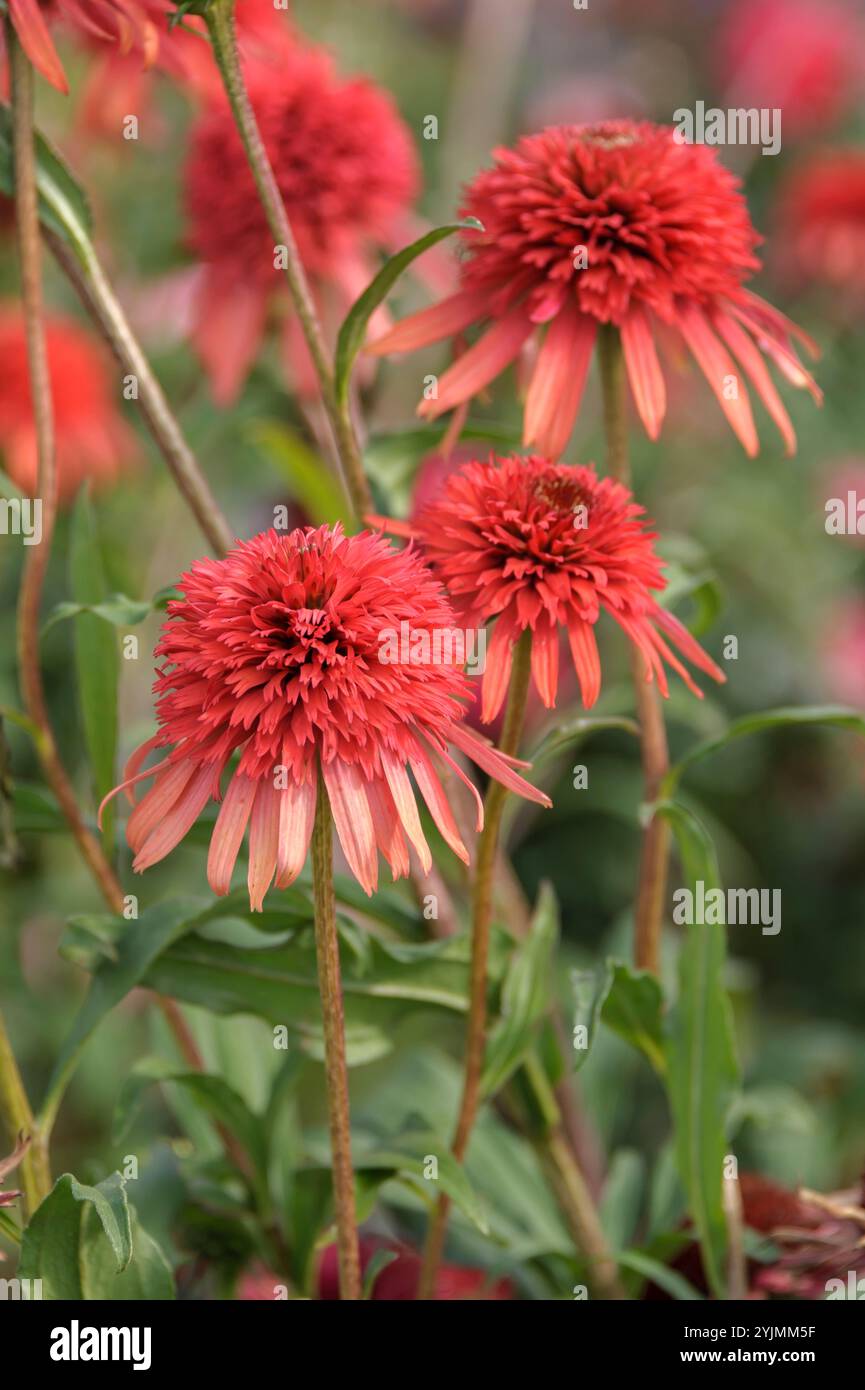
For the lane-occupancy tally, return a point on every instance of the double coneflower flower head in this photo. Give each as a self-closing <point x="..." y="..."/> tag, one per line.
<point x="616" y="224"/>
<point x="274" y="656"/>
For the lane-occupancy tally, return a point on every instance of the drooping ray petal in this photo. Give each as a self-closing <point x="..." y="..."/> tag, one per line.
<point x="686" y="642"/>
<point x="742" y="346"/>
<point x="388" y="827"/>
<point x="545" y="661"/>
<point x="353" y="820"/>
<point x="263" y="842"/>
<point x="228" y="330"/>
<point x="718" y="369"/>
<point x="406" y="806"/>
<point x="157" y="802"/>
<point x="32" y="31"/>
<point x="781" y="353"/>
<point x="477" y="367"/>
<point x="433" y="795"/>
<point x="443" y="320"/>
<point x="135" y="761"/>
<point x="228" y="832"/>
<point x="129" y="782"/>
<point x="296" y="816"/>
<point x="493" y="763"/>
<point x="479" y="801"/>
<point x="778" y="325"/>
<point x="558" y="381"/>
<point x="182" y="816"/>
<point x="587" y="661"/>
<point x="497" y="671"/>
<point x="644" y="371"/>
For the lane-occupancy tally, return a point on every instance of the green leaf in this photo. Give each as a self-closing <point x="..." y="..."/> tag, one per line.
<point x="673" y="1283"/>
<point x="837" y="716"/>
<point x="591" y="988"/>
<point x="51" y="1248"/>
<point x="137" y="948"/>
<point x="525" y="995"/>
<point x="622" y="1196"/>
<point x="574" y="731"/>
<point x="63" y="207"/>
<point x="702" y="1069"/>
<point x="353" y="330"/>
<point x="117" y="609"/>
<point x="633" y="1008"/>
<point x="311" y="482"/>
<point x="406" y="1158"/>
<point x="380" y="1260"/>
<point x="96" y="658"/>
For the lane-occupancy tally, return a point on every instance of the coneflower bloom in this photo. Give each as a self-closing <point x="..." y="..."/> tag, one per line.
<point x="133" y="25"/>
<point x="93" y="440"/>
<point x="279" y="654"/>
<point x="528" y="543"/>
<point x="620" y="224"/>
<point x="821" y="218"/>
<point x="347" y="171"/>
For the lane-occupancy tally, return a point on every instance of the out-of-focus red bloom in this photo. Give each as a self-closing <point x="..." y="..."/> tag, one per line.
<point x="805" y="56"/>
<point x="347" y="170"/>
<point x="538" y="545"/>
<point x="844" y="652"/>
<point x="398" y="1281"/>
<point x="616" y="223"/>
<point x="278" y="653"/>
<point x="138" y="26"/>
<point x="93" y="440"/>
<point x="821" y="215"/>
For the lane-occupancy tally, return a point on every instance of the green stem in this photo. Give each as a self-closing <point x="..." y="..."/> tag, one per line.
<point x="482" y="905"/>
<point x="18" y="1120"/>
<point x="220" y="23"/>
<point x="335" y="1068"/>
<point x="655" y="850"/>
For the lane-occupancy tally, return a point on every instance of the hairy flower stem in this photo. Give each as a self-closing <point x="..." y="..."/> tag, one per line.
<point x="88" y="278"/>
<point x="335" y="1068"/>
<point x="17" y="1118"/>
<point x="219" y="17"/>
<point x="655" y="852"/>
<point x="37" y="557"/>
<point x="482" y="909"/>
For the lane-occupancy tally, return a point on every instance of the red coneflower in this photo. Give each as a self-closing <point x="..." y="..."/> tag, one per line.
<point x="93" y="440"/>
<point x="615" y="223"/>
<point x="821" y="214"/>
<point x="541" y="545"/>
<point x="275" y="653"/>
<point x="137" y="25"/>
<point x="347" y="172"/>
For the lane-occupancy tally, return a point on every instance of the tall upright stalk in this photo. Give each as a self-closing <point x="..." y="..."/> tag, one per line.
<point x="220" y="23"/>
<point x="17" y="1119"/>
<point x="655" y="851"/>
<point x="335" y="1068"/>
<point x="482" y="907"/>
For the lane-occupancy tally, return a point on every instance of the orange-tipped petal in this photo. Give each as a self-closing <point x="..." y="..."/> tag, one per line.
<point x="717" y="367"/>
<point x="442" y="320"/>
<point x="263" y="842"/>
<point x="644" y="371"/>
<point x="353" y="821"/>
<point x="296" y="816"/>
<point x="228" y="832"/>
<point x="558" y="381"/>
<point x="32" y="31"/>
<point x="483" y="362"/>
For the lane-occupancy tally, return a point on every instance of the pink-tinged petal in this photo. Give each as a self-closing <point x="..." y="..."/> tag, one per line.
<point x="433" y="794"/>
<point x="716" y="365"/>
<point x="479" y="801"/>
<point x="391" y="525"/>
<point x="545" y="661"/>
<point x="182" y="816"/>
<point x="229" y="327"/>
<point x="483" y="362"/>
<point x="587" y="661"/>
<point x="32" y="31"/>
<point x="775" y="323"/>
<point x="643" y="636"/>
<point x="742" y="346"/>
<point x="687" y="643"/>
<point x="497" y="670"/>
<point x="443" y="320"/>
<point x="263" y="842"/>
<point x="781" y="353"/>
<point x="388" y="829"/>
<point x="644" y="371"/>
<point x="157" y="802"/>
<point x="406" y="806"/>
<point x="558" y="380"/>
<point x="228" y="832"/>
<point x="296" y="816"/>
<point x="353" y="821"/>
<point x="136" y="759"/>
<point x="494" y="764"/>
<point x="130" y="782"/>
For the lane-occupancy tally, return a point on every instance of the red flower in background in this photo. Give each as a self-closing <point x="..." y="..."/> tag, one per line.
<point x="275" y="653"/>
<point x="93" y="440"/>
<point x="398" y="1281"/>
<point x="615" y="223"/>
<point x="139" y="26"/>
<point x="539" y="545"/>
<point x="805" y="56"/>
<point x="821" y="214"/>
<point x="347" y="171"/>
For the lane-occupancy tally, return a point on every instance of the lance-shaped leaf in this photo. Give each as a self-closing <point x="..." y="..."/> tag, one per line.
<point x="62" y="205"/>
<point x="525" y="996"/>
<point x="633" y="1008"/>
<point x="590" y="989"/>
